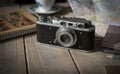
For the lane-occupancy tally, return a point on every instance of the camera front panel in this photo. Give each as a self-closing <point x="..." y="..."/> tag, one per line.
<point x="85" y="40"/>
<point x="46" y="33"/>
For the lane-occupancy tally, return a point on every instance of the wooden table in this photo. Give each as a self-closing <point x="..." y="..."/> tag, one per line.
<point x="24" y="55"/>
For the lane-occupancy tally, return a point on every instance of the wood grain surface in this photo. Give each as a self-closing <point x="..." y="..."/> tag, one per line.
<point x="93" y="63"/>
<point x="45" y="59"/>
<point x="12" y="57"/>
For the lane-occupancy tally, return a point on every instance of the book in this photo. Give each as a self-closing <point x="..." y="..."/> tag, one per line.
<point x="112" y="37"/>
<point x="112" y="69"/>
<point x="16" y="23"/>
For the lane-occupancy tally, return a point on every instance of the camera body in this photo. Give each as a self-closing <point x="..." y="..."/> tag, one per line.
<point x="76" y="33"/>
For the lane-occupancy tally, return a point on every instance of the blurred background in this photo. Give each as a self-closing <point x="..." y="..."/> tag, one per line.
<point x="9" y="2"/>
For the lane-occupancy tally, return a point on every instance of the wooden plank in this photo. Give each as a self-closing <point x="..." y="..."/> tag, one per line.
<point x="47" y="59"/>
<point x="94" y="62"/>
<point x="12" y="57"/>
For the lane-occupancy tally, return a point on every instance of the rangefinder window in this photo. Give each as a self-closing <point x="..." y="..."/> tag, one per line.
<point x="70" y="24"/>
<point x="63" y="23"/>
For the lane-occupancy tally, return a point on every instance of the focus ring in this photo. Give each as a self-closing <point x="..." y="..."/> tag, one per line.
<point x="66" y="37"/>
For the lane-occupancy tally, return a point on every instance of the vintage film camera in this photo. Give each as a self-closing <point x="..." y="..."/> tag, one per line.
<point x="76" y="33"/>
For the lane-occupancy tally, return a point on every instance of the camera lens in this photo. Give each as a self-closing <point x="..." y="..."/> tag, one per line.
<point x="65" y="38"/>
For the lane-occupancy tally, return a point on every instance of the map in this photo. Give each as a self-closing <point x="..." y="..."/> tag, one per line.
<point x="104" y="11"/>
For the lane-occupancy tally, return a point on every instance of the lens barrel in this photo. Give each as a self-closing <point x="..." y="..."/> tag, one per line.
<point x="66" y="37"/>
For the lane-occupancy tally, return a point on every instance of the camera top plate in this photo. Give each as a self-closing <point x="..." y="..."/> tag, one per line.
<point x="75" y="23"/>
